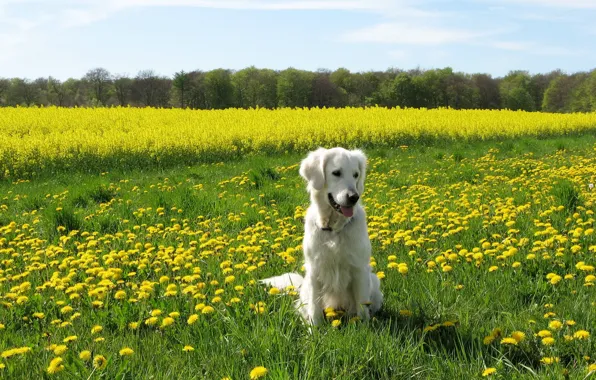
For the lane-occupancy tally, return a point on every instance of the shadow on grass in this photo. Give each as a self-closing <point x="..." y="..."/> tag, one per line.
<point x="452" y="341"/>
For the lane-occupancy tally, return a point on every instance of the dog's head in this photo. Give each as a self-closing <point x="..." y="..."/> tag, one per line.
<point x="339" y="173"/>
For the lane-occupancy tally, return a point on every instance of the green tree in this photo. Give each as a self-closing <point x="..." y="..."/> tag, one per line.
<point x="404" y="92"/>
<point x="181" y="84"/>
<point x="219" y="91"/>
<point x="294" y="88"/>
<point x="487" y="89"/>
<point x="515" y="92"/>
<point x="123" y="89"/>
<point x="559" y="97"/>
<point x="255" y="88"/>
<point x="100" y="82"/>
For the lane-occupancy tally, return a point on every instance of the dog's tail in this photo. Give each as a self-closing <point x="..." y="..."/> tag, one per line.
<point x="283" y="281"/>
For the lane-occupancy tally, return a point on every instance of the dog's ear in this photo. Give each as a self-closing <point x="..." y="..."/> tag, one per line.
<point x="312" y="168"/>
<point x="362" y="167"/>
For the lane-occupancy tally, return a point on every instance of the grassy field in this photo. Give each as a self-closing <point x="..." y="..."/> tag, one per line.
<point x="486" y="252"/>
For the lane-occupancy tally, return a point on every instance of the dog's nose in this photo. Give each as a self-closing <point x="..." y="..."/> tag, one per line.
<point x="353" y="198"/>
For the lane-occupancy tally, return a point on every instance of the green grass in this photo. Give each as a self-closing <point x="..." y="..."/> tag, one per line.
<point x="416" y="198"/>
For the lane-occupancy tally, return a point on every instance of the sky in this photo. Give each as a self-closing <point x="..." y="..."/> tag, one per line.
<point x="66" y="38"/>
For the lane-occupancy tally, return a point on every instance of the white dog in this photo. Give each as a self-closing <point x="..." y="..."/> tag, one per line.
<point x="336" y="244"/>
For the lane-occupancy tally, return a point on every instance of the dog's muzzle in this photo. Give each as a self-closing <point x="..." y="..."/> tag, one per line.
<point x="347" y="211"/>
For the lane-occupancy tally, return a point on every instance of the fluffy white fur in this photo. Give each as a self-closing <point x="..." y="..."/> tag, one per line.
<point x="337" y="261"/>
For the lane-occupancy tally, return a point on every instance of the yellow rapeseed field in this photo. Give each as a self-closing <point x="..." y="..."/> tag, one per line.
<point x="33" y="140"/>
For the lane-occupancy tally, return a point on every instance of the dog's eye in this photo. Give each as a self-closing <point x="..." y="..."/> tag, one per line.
<point x="336" y="173"/>
<point x="355" y="175"/>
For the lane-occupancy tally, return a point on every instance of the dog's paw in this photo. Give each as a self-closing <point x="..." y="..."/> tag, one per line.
<point x="364" y="313"/>
<point x="314" y="317"/>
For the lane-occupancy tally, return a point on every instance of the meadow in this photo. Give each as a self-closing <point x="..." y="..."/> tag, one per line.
<point x="117" y="265"/>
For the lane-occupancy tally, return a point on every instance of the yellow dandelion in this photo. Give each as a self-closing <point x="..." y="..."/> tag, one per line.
<point x="188" y="348"/>
<point x="548" y="341"/>
<point x="192" y="319"/>
<point x="85" y="355"/>
<point x="550" y="360"/>
<point x="55" y="366"/>
<point x="258" y="372"/>
<point x="581" y="334"/>
<point x="509" y="341"/>
<point x="274" y="291"/>
<point x="155" y="313"/>
<point x="100" y="362"/>
<point x="151" y="321"/>
<point x="555" y="325"/>
<point x="61" y="349"/>
<point x="168" y="321"/>
<point x="518" y="336"/>
<point x="488" y="371"/>
<point x="544" y="333"/>
<point x="126" y="351"/>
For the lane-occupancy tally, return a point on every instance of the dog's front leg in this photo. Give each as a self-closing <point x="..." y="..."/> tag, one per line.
<point x="312" y="299"/>
<point x="361" y="293"/>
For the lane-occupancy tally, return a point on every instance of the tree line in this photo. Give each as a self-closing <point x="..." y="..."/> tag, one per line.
<point x="253" y="87"/>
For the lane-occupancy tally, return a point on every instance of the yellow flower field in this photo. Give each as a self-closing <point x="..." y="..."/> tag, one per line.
<point x="34" y="140"/>
<point x="486" y="255"/>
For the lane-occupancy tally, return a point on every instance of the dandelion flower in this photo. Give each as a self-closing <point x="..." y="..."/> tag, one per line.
<point x="156" y="313"/>
<point x="59" y="350"/>
<point x="258" y="372"/>
<point x="509" y="341"/>
<point x="488" y="371"/>
<point x="550" y="360"/>
<point x="274" y="291"/>
<point x="167" y="322"/>
<point x="192" y="319"/>
<point x="581" y="334"/>
<point x="126" y="351"/>
<point x="544" y="333"/>
<point x="188" y="348"/>
<point x="100" y="362"/>
<point x="69" y="339"/>
<point x="55" y="366"/>
<point x="85" y="355"/>
<point x="15" y="351"/>
<point x="151" y="321"/>
<point x="555" y="325"/>
<point x="518" y="336"/>
<point x="548" y="341"/>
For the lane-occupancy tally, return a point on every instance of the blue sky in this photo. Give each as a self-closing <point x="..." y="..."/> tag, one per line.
<point x="65" y="38"/>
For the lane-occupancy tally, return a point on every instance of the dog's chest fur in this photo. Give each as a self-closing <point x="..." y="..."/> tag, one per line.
<point x="333" y="255"/>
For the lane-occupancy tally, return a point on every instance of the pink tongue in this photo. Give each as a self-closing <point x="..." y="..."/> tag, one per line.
<point x="347" y="211"/>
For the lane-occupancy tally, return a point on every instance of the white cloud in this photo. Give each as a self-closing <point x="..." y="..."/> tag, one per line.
<point x="374" y="5"/>
<point x="535" y="48"/>
<point x="416" y="34"/>
<point x="571" y="4"/>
